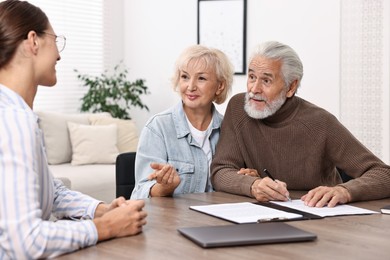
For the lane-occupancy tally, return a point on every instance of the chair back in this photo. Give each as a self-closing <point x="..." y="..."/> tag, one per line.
<point x="124" y="174"/>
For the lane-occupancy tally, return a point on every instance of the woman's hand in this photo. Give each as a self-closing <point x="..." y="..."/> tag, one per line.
<point x="103" y="208"/>
<point x="124" y="220"/>
<point x="166" y="177"/>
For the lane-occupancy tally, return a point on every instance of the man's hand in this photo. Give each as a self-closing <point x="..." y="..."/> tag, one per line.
<point x="125" y="220"/>
<point x="266" y="189"/>
<point x="322" y="196"/>
<point x="166" y="177"/>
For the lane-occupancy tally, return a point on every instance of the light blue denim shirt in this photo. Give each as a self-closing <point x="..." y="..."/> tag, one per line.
<point x="166" y="138"/>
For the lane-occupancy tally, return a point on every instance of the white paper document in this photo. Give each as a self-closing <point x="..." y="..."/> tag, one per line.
<point x="245" y="212"/>
<point x="325" y="211"/>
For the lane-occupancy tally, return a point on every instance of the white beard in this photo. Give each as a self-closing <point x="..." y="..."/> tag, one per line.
<point x="270" y="108"/>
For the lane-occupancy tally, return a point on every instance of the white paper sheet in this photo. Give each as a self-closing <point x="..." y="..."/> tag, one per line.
<point x="325" y="211"/>
<point x="245" y="212"/>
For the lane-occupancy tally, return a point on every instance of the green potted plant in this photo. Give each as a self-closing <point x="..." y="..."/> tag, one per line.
<point x="114" y="93"/>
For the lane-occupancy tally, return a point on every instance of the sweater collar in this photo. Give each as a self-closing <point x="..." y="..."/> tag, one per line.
<point x="285" y="113"/>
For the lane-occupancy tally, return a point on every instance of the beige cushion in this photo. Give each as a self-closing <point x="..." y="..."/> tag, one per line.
<point x="127" y="132"/>
<point x="93" y="144"/>
<point x="55" y="132"/>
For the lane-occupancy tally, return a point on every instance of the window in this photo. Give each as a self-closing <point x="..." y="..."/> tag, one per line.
<point x="82" y="23"/>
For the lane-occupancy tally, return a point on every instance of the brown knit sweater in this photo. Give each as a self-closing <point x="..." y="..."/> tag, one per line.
<point x="301" y="144"/>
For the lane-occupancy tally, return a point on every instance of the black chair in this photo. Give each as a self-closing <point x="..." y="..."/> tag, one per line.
<point x="124" y="174"/>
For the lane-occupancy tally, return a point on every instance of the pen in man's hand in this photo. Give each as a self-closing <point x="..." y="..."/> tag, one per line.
<point x="269" y="175"/>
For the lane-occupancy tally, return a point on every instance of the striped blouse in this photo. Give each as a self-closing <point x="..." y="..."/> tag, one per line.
<point x="29" y="194"/>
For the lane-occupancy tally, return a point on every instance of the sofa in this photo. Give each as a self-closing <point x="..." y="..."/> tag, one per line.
<point x="82" y="149"/>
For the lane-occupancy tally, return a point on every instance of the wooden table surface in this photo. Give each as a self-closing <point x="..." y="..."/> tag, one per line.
<point x="342" y="237"/>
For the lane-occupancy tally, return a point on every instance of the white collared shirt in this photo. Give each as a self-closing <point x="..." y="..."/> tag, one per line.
<point x="29" y="194"/>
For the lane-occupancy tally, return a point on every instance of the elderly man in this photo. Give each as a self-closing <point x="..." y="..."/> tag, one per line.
<point x="301" y="145"/>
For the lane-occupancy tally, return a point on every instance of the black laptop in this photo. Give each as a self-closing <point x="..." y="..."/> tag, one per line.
<point x="245" y="234"/>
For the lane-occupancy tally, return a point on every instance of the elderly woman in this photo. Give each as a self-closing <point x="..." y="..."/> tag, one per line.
<point x="176" y="146"/>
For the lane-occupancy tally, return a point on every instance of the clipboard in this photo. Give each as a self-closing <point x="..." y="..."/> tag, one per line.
<point x="258" y="212"/>
<point x="245" y="212"/>
<point x="298" y="205"/>
<point x="305" y="215"/>
<point x="385" y="209"/>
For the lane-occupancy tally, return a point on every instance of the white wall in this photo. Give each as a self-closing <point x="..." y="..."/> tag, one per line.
<point x="157" y="31"/>
<point x="148" y="35"/>
<point x="114" y="37"/>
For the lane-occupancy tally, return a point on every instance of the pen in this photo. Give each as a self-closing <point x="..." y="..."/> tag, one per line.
<point x="269" y="175"/>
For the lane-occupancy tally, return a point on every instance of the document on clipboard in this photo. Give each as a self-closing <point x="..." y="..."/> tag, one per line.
<point x="339" y="210"/>
<point x="274" y="211"/>
<point x="245" y="212"/>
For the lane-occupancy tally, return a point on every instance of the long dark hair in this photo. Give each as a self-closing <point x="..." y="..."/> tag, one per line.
<point x="17" y="19"/>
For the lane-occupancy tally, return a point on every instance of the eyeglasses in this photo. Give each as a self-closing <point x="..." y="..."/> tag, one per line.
<point x="60" y="41"/>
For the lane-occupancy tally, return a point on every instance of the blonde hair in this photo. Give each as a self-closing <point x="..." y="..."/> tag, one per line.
<point x="213" y="58"/>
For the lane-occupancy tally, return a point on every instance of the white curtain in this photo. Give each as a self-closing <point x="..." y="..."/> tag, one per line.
<point x="82" y="23"/>
<point x="365" y="72"/>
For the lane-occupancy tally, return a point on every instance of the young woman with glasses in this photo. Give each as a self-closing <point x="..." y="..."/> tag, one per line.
<point x="29" y="52"/>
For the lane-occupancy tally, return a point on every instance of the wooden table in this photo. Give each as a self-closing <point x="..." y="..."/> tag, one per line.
<point x="343" y="237"/>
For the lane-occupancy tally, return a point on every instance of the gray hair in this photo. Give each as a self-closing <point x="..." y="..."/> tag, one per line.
<point x="292" y="68"/>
